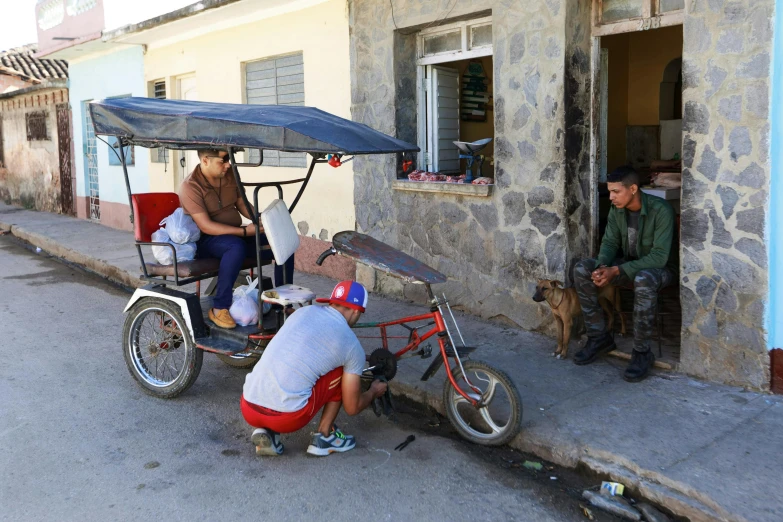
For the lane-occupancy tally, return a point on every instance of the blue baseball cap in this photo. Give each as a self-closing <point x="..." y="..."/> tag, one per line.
<point x="348" y="293"/>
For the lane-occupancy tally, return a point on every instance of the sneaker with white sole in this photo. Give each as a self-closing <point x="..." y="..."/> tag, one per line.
<point x="337" y="441"/>
<point x="267" y="442"/>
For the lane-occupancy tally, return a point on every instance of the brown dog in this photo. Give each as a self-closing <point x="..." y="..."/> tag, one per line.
<point x="566" y="308"/>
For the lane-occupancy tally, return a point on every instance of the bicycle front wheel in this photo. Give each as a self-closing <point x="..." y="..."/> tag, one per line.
<point x="498" y="420"/>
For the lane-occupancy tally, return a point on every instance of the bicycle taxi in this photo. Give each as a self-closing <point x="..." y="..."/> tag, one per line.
<point x="167" y="330"/>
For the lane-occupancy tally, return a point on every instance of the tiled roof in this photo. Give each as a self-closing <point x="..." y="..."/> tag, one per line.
<point x="22" y="61"/>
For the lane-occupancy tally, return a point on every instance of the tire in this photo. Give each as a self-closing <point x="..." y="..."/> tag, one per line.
<point x="151" y="338"/>
<point x="239" y="361"/>
<point x="470" y="422"/>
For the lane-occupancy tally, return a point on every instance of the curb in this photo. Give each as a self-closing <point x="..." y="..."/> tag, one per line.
<point x="679" y="498"/>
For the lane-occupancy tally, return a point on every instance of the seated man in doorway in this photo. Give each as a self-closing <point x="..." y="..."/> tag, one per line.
<point x="210" y="195"/>
<point x="642" y="226"/>
<point x="315" y="361"/>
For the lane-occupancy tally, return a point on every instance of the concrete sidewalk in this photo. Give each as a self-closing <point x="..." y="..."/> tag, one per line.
<point x="704" y="451"/>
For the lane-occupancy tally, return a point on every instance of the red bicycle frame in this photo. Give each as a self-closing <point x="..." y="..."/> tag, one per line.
<point x="415" y="340"/>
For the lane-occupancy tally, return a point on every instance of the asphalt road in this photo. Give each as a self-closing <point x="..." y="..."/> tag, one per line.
<point x="79" y="440"/>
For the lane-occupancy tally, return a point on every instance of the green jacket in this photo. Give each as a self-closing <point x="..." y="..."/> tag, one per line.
<point x="654" y="244"/>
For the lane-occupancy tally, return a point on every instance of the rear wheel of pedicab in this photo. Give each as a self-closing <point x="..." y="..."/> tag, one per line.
<point x="241" y="361"/>
<point x="499" y="420"/>
<point x="159" y="350"/>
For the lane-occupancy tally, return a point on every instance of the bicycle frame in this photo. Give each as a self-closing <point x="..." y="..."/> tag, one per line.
<point x="415" y="341"/>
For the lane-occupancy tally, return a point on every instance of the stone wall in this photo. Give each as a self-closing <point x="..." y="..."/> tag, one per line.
<point x="726" y="69"/>
<point x="30" y="175"/>
<point x="535" y="222"/>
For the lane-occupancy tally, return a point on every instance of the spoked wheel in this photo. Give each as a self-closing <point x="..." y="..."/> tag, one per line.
<point x="240" y="360"/>
<point x="499" y="420"/>
<point x="159" y="350"/>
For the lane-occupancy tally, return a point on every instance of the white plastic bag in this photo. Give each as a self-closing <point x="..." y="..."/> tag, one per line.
<point x="251" y="290"/>
<point x="181" y="228"/>
<point x="164" y="255"/>
<point x="244" y="310"/>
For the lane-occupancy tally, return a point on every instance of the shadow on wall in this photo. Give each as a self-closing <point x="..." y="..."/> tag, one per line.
<point x="35" y="186"/>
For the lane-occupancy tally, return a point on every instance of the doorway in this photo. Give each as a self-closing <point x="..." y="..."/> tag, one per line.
<point x="188" y="159"/>
<point x="639" y="123"/>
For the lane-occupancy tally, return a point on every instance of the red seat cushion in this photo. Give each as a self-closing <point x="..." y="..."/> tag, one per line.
<point x="149" y="209"/>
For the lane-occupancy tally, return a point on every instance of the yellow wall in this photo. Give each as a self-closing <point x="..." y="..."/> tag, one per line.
<point x="320" y="32"/>
<point x="636" y="65"/>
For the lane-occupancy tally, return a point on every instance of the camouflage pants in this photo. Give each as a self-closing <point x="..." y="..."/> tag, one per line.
<point x="646" y="286"/>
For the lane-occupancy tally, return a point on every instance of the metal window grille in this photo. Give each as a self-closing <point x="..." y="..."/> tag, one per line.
<point x="161" y="154"/>
<point x="91" y="154"/>
<point x="36" y="126"/>
<point x="277" y="81"/>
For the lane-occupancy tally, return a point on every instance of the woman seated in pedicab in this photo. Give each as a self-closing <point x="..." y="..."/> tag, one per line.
<point x="210" y="195"/>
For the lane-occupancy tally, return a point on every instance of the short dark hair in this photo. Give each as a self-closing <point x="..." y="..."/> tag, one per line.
<point x="625" y="175"/>
<point x="208" y="152"/>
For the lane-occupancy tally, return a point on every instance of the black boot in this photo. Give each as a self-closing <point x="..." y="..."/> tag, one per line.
<point x="595" y="346"/>
<point x="639" y="367"/>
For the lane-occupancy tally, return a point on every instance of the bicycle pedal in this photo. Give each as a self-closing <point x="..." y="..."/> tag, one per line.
<point x="426" y="352"/>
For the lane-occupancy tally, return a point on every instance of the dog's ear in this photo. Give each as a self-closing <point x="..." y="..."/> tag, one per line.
<point x="557" y="284"/>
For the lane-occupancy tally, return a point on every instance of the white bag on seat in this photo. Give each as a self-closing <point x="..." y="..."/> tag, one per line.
<point x="164" y="255"/>
<point x="181" y="227"/>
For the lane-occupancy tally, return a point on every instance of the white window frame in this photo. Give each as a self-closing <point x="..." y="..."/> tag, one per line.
<point x="651" y="18"/>
<point x="424" y="113"/>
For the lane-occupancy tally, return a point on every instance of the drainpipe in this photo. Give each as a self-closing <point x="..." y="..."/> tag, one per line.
<point x="775" y="216"/>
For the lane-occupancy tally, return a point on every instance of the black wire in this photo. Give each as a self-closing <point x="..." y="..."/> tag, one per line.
<point x="391" y="3"/>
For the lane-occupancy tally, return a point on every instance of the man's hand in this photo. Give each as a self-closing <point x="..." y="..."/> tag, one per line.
<point x="603" y="276"/>
<point x="378" y="388"/>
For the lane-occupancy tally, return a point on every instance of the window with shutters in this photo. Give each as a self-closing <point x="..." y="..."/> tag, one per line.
<point x="455" y="97"/>
<point x="624" y="16"/>
<point x="157" y="90"/>
<point x="36" y="126"/>
<point x="276" y="81"/>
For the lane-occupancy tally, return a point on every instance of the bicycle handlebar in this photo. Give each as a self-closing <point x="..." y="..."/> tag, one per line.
<point x="326" y="254"/>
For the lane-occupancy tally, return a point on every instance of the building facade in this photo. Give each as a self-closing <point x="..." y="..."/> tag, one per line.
<point x="556" y="102"/>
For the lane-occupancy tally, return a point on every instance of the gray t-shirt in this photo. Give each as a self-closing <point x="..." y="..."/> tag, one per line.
<point x="313" y="341"/>
<point x="633" y="234"/>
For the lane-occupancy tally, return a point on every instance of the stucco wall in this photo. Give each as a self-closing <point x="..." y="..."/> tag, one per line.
<point x="726" y="172"/>
<point x="534" y="223"/>
<point x="117" y="73"/>
<point x="30" y="175"/>
<point x="320" y="32"/>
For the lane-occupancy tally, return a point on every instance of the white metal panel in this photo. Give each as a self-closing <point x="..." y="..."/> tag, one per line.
<point x="444" y="115"/>
<point x="276" y="81"/>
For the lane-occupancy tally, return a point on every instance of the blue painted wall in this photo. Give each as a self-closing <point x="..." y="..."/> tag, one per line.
<point x="775" y="224"/>
<point x="120" y="73"/>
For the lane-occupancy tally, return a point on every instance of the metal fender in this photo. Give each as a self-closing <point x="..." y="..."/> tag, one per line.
<point x="188" y="304"/>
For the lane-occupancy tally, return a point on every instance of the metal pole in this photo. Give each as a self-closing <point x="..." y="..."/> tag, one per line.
<point x="304" y="185"/>
<point x="127" y="180"/>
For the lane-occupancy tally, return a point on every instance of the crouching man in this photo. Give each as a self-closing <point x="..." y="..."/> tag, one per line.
<point x="642" y="226"/>
<point x="314" y="362"/>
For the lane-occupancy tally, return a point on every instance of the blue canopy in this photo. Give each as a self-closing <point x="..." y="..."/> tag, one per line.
<point x="183" y="124"/>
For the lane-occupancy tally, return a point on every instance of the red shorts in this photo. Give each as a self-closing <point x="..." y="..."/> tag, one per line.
<point x="327" y="389"/>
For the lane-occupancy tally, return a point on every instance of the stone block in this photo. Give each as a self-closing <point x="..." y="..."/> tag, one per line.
<point x="740" y="143"/>
<point x="715" y="76"/>
<point x="756" y="67"/>
<point x="705" y="289"/>
<point x="730" y="107"/>
<point x="691" y="263"/>
<point x="690" y="306"/>
<point x="513" y="208"/>
<point x="730" y="41"/>
<point x="552" y="50"/>
<point x="303" y="227"/>
<point x="729" y="198"/>
<point x="555" y="255"/>
<point x="550" y="172"/>
<point x="741" y="276"/>
<point x="531" y="84"/>
<point x="720" y="236"/>
<point x="753" y="176"/>
<point x="708" y="326"/>
<point x="694" y="228"/>
<point x="531" y="256"/>
<point x="709" y="165"/>
<point x="697" y="118"/>
<point x="757" y="99"/>
<point x="689" y="151"/>
<point x="521" y="117"/>
<point x="546" y="222"/>
<point x="739" y="334"/>
<point x="527" y="151"/>
<point x="726" y="300"/>
<point x="755" y="250"/>
<point x="540" y="196"/>
<point x="516" y="49"/>
<point x="486" y="214"/>
<point x="536" y="132"/>
<point x="717" y="139"/>
<point x="697" y="36"/>
<point x="759" y="199"/>
<point x="550" y="108"/>
<point x="752" y="221"/>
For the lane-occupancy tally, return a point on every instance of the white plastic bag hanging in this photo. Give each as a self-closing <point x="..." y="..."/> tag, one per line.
<point x="244" y="310"/>
<point x="164" y="254"/>
<point x="181" y="227"/>
<point x="251" y="290"/>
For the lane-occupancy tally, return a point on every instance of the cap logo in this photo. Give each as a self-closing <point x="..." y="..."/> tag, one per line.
<point x="339" y="291"/>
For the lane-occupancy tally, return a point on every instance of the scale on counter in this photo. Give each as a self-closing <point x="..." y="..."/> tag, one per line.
<point x="470" y="151"/>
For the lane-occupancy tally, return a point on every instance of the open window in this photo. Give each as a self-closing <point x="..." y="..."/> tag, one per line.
<point x="623" y="16"/>
<point x="454" y="72"/>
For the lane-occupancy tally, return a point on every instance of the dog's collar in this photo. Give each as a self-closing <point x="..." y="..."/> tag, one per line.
<point x="562" y="296"/>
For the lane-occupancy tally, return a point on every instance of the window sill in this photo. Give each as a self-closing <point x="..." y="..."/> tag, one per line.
<point x="459" y="189"/>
